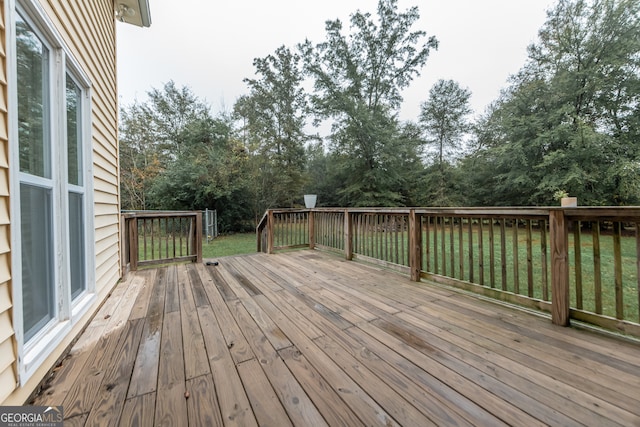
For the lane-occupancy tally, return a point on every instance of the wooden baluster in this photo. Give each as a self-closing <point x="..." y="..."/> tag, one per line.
<point x="481" y="252"/>
<point x="577" y="256"/>
<point x="544" y="261"/>
<point x="452" y="255"/>
<point x="492" y="255"/>
<point x="471" y="260"/>
<point x="617" y="262"/>
<point x="597" y="267"/>
<point x="529" y="260"/>
<point x="516" y="259"/>
<point x="503" y="253"/>
<point x="460" y="249"/>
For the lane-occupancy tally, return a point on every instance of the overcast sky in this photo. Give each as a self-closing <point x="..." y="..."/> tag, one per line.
<point x="210" y="45"/>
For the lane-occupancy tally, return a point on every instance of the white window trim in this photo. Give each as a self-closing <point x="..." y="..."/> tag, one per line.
<point x="32" y="354"/>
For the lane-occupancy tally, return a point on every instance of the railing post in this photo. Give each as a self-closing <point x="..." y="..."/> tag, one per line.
<point x="559" y="241"/>
<point x="124" y="246"/>
<point x="312" y="230"/>
<point x="348" y="235"/>
<point x="270" y="231"/>
<point x="133" y="243"/>
<point x="198" y="237"/>
<point x="415" y="245"/>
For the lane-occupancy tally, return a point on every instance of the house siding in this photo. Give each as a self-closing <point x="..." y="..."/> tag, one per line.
<point x="8" y="368"/>
<point x="88" y="29"/>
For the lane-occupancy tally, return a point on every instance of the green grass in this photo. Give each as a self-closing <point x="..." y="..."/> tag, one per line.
<point x="628" y="263"/>
<point x="233" y="244"/>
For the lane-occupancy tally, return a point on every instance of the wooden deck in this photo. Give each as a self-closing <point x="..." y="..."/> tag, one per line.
<point x="305" y="338"/>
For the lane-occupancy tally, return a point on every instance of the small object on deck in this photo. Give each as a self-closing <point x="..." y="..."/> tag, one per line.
<point x="212" y="263"/>
<point x="186" y="394"/>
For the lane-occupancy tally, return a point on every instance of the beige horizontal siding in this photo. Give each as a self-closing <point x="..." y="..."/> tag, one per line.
<point x="88" y="29"/>
<point x="5" y="268"/>
<point x="8" y="367"/>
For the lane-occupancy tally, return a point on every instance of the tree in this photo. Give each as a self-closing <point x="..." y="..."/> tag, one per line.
<point x="274" y="117"/>
<point x="444" y="118"/>
<point x="139" y="158"/>
<point x="170" y="111"/>
<point x="211" y="171"/>
<point x="175" y="155"/>
<point x="152" y="135"/>
<point x="358" y="79"/>
<point x="569" y="121"/>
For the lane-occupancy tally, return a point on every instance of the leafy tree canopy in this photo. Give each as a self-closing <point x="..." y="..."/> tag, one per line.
<point x="358" y="78"/>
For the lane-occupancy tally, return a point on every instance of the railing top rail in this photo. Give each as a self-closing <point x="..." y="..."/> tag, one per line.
<point x="159" y="214"/>
<point x="603" y="213"/>
<point x="488" y="212"/>
<point x="263" y="221"/>
<point x="613" y="213"/>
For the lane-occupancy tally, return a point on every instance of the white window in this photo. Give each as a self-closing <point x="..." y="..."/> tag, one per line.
<point x="50" y="149"/>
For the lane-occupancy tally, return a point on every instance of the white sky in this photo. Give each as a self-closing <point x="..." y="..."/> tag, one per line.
<point x="210" y="45"/>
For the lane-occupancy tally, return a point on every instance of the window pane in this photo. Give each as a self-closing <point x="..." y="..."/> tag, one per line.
<point x="76" y="242"/>
<point x="33" y="89"/>
<point x="74" y="134"/>
<point x="37" y="258"/>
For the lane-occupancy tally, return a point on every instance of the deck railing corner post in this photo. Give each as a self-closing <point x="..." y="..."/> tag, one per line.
<point x="559" y="242"/>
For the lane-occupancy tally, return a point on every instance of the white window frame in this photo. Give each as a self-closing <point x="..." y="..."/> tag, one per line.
<point x="67" y="311"/>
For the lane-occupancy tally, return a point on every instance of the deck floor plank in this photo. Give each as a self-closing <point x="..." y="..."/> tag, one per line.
<point x="138" y="411"/>
<point x="195" y="354"/>
<point x="234" y="403"/>
<point x="81" y="395"/>
<point x="300" y="408"/>
<point x="540" y="387"/>
<point x="233" y="336"/>
<point x="539" y="357"/>
<point x="336" y="380"/>
<point x="110" y="399"/>
<point x="144" y="378"/>
<point x="529" y="352"/>
<point x="334" y="410"/>
<point x="171" y="405"/>
<point x="202" y="403"/>
<point x="264" y="400"/>
<point x="446" y="395"/>
<point x="307" y="338"/>
<point x="199" y="294"/>
<point x="401" y="409"/>
<point x="141" y="305"/>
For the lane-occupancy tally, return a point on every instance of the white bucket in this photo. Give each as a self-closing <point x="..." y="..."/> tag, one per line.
<point x="310" y="200"/>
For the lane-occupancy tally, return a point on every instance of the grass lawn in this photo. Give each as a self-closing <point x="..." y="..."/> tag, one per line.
<point x="233" y="244"/>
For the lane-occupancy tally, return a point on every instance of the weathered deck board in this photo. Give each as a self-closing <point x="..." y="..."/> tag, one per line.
<point x="306" y="338"/>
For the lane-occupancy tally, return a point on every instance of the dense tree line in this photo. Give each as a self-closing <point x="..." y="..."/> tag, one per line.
<point x="568" y="122"/>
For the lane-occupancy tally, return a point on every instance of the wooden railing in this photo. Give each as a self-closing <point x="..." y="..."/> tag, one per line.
<point x="159" y="237"/>
<point x="581" y="263"/>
